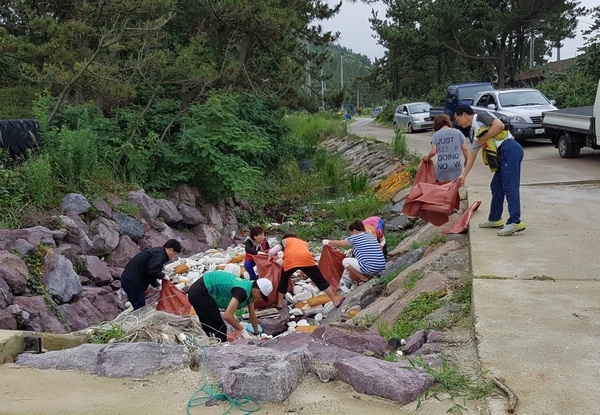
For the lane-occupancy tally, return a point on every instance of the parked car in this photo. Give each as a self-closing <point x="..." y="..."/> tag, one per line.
<point x="520" y="109"/>
<point x="412" y="117"/>
<point x="376" y="111"/>
<point x="457" y="94"/>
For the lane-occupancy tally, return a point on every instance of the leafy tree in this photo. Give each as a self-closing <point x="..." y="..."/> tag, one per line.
<point x="498" y="31"/>
<point x="464" y="40"/>
<point x="123" y="52"/>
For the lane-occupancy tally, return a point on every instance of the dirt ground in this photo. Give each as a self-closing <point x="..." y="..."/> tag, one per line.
<point x="33" y="391"/>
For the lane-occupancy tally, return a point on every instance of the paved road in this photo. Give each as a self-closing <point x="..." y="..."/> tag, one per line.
<point x="536" y="294"/>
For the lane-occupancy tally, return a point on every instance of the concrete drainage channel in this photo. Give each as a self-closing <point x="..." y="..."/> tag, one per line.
<point x="13" y="343"/>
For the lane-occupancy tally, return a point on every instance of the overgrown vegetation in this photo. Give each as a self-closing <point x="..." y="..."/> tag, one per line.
<point x="35" y="283"/>
<point x="399" y="144"/>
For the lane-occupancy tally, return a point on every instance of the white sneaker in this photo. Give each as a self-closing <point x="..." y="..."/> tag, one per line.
<point x="511" y="228"/>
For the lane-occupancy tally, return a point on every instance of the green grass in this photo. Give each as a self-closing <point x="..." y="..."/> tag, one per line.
<point x="103" y="335"/>
<point x="317" y="230"/>
<point x="366" y="321"/>
<point x="393" y="239"/>
<point x="385" y="279"/>
<point x="314" y="128"/>
<point x="463" y="294"/>
<point x="449" y="380"/>
<point x="358" y="183"/>
<point x="358" y="207"/>
<point x="411" y="280"/>
<point x="413" y="317"/>
<point x="414" y="159"/>
<point x="399" y="144"/>
<point x="435" y="240"/>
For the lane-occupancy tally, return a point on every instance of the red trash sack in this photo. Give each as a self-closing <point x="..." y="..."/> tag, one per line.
<point x="172" y="300"/>
<point x="272" y="271"/>
<point x="431" y="201"/>
<point x="462" y="223"/>
<point x="330" y="265"/>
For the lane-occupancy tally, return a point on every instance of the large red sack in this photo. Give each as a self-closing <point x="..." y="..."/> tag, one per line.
<point x="172" y="300"/>
<point x="330" y="265"/>
<point x="431" y="201"/>
<point x="272" y="271"/>
<point x="462" y="223"/>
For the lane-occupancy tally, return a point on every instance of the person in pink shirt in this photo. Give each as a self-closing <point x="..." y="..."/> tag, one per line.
<point x="375" y="226"/>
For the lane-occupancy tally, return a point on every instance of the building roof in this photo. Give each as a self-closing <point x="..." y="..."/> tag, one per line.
<point x="541" y="71"/>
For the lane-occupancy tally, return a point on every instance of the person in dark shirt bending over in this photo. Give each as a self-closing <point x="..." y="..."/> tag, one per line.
<point x="146" y="269"/>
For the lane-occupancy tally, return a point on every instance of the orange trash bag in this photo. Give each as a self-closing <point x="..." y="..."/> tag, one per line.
<point x="431" y="201"/>
<point x="272" y="271"/>
<point x="330" y="265"/>
<point x="172" y="300"/>
<point x="462" y="223"/>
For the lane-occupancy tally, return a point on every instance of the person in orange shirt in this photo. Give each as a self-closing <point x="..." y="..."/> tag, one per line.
<point x="297" y="256"/>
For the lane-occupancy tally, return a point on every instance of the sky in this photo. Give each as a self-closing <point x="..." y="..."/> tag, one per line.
<point x="356" y="33"/>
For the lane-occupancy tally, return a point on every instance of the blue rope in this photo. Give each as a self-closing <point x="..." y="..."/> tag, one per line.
<point x="209" y="392"/>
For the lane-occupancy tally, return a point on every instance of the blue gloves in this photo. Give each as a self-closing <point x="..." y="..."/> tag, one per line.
<point x="251" y="329"/>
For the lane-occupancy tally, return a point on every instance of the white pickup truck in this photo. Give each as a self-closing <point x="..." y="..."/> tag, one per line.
<point x="572" y="129"/>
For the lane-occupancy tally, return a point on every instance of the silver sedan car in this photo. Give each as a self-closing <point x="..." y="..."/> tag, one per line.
<point x="412" y="117"/>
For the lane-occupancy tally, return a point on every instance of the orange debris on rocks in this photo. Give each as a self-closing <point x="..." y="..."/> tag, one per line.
<point x="352" y="313"/>
<point x="306" y="329"/>
<point x="237" y="258"/>
<point x="300" y="305"/>
<point x="318" y="300"/>
<point x="395" y="182"/>
<point x="182" y="268"/>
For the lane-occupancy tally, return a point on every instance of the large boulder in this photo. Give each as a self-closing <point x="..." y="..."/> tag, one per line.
<point x="14" y="271"/>
<point x="168" y="211"/>
<point x="6" y="296"/>
<point x="152" y="238"/>
<point x="81" y="314"/>
<point x="258" y="372"/>
<point x="148" y="208"/>
<point x="104" y="301"/>
<point x="322" y="355"/>
<point x="385" y="379"/>
<point x="103" y="208"/>
<point x="35" y="236"/>
<point x="368" y="342"/>
<point x="186" y="195"/>
<point x="190" y="215"/>
<point x="129" y="226"/>
<point x="189" y="243"/>
<point x="126" y="250"/>
<point x="207" y="234"/>
<point x="75" y="204"/>
<point x="7" y="320"/>
<point x="119" y="360"/>
<point x="60" y="278"/>
<point x="34" y="315"/>
<point x="215" y="215"/>
<point x="22" y="247"/>
<point x="95" y="269"/>
<point x="76" y="232"/>
<point x="105" y="236"/>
